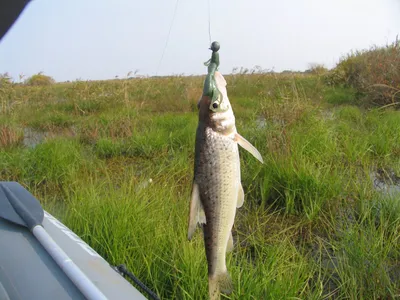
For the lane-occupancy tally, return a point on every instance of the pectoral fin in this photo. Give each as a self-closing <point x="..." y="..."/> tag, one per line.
<point x="248" y="146"/>
<point x="240" y="198"/>
<point x="196" y="214"/>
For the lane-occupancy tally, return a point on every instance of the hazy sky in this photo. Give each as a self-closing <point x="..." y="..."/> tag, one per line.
<point x="100" y="39"/>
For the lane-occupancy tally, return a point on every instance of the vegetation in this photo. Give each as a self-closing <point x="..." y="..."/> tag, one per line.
<point x="5" y="80"/>
<point x="114" y="161"/>
<point x="39" y="80"/>
<point x="316" y="69"/>
<point x="374" y="73"/>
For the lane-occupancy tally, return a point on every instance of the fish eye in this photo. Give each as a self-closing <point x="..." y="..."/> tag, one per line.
<point x="215" y="105"/>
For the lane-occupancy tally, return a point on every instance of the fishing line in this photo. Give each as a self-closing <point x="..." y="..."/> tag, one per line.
<point x="209" y="21"/>
<point x="165" y="46"/>
<point x="169" y="33"/>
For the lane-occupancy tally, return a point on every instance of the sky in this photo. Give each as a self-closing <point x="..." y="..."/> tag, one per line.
<point x="101" y="39"/>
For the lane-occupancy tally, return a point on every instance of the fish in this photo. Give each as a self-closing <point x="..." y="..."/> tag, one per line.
<point x="217" y="190"/>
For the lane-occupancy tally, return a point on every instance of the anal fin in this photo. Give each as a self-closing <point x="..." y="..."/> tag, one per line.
<point x="196" y="213"/>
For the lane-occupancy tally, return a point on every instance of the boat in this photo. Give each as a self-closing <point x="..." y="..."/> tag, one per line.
<point x="29" y="269"/>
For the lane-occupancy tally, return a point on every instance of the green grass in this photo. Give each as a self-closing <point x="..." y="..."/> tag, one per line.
<point x="117" y="165"/>
<point x="372" y="73"/>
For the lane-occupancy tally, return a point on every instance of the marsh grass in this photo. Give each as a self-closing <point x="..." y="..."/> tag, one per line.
<point x="117" y="164"/>
<point x="373" y="73"/>
<point x="10" y="136"/>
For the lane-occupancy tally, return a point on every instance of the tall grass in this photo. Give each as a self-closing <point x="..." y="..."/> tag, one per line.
<point x="373" y="72"/>
<point x="116" y="166"/>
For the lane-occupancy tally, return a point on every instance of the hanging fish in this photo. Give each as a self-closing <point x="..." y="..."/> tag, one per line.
<point x="217" y="190"/>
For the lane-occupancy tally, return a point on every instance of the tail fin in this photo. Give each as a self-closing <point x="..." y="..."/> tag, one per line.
<point x="219" y="283"/>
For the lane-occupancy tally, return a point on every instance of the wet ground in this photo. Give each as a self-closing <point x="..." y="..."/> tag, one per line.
<point x="33" y="137"/>
<point x="386" y="182"/>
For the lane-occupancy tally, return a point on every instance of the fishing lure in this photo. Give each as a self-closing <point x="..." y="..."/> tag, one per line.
<point x="210" y="88"/>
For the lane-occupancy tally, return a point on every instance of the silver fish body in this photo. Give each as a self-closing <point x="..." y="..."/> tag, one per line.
<point x="217" y="189"/>
<point x="217" y="174"/>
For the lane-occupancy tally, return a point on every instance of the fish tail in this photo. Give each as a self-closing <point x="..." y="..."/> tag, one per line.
<point x="221" y="282"/>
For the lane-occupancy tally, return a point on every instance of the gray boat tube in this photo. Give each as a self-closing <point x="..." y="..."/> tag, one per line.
<point x="76" y="275"/>
<point x="53" y="262"/>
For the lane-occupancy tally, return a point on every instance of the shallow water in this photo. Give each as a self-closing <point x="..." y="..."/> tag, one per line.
<point x="34" y="137"/>
<point x="261" y="122"/>
<point x="386" y="183"/>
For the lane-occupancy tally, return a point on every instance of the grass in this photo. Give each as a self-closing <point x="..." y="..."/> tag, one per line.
<point x="373" y="73"/>
<point x="117" y="163"/>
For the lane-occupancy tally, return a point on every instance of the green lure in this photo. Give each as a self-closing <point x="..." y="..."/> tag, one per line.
<point x="210" y="87"/>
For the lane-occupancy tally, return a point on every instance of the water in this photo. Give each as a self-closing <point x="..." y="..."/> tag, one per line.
<point x="386" y="182"/>
<point x="261" y="122"/>
<point x="34" y="137"/>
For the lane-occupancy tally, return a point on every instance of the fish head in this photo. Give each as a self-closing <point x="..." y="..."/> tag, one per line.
<point x="217" y="113"/>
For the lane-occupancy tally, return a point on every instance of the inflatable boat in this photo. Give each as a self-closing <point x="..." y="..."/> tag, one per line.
<point x="40" y="258"/>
